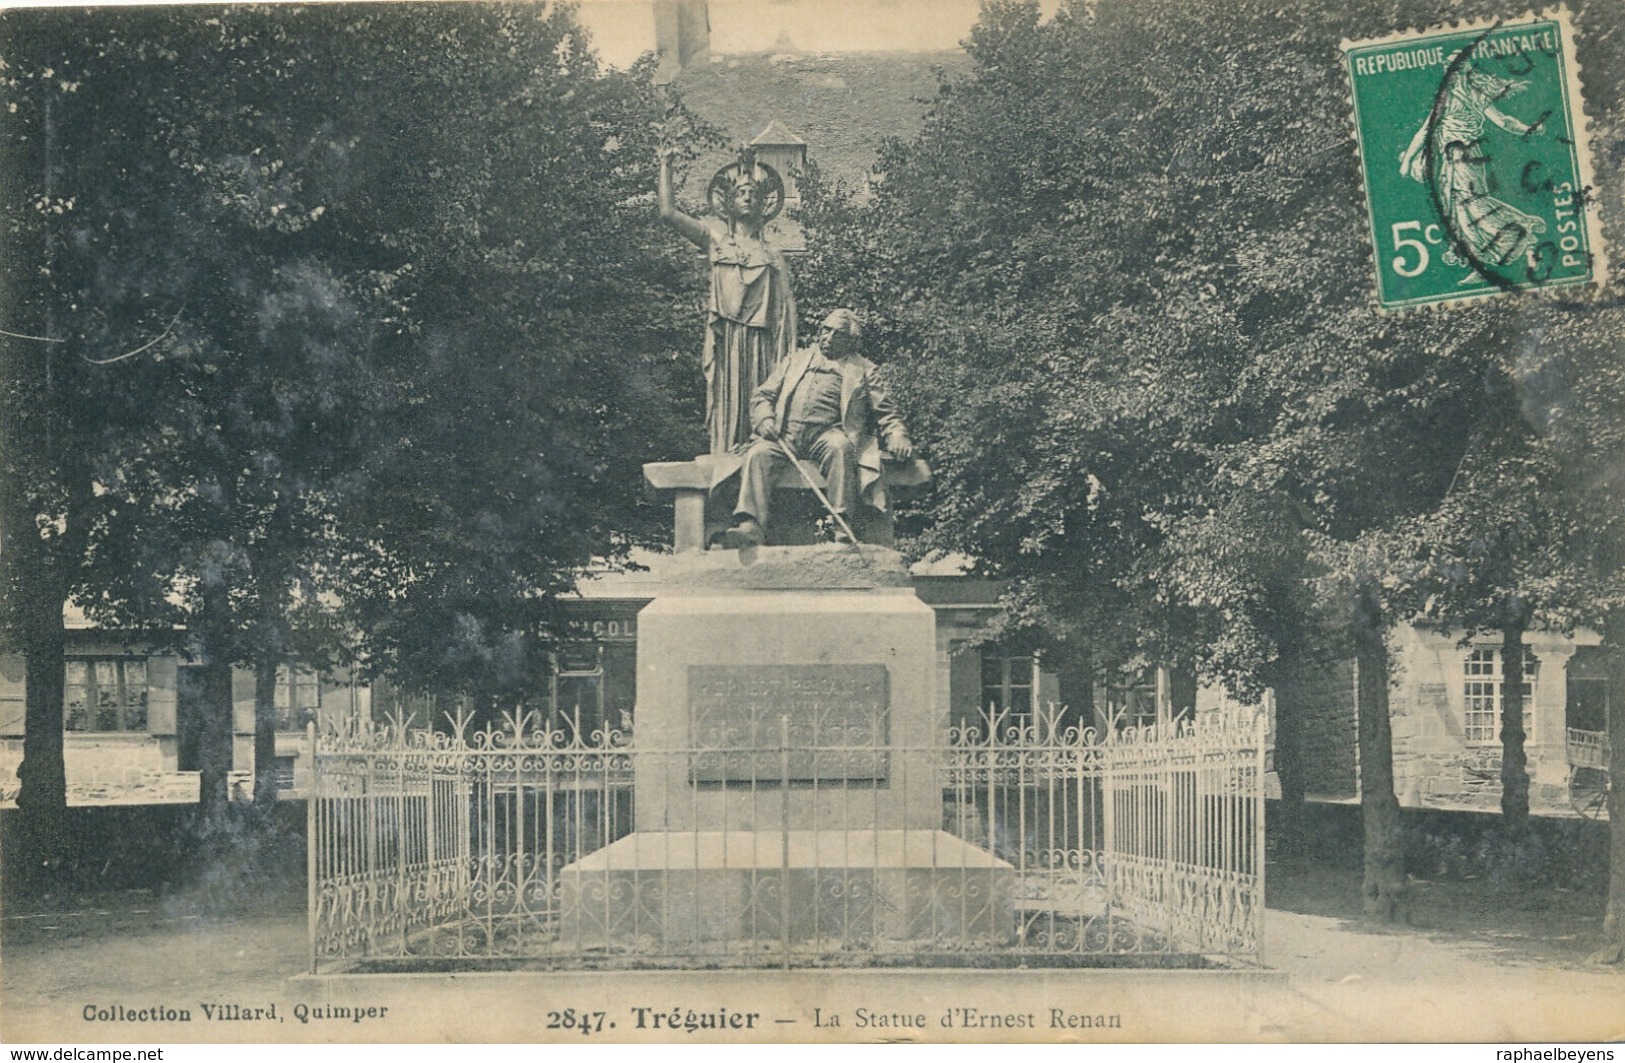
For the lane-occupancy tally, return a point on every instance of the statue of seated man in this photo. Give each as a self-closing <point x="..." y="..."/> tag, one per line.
<point x="826" y="404"/>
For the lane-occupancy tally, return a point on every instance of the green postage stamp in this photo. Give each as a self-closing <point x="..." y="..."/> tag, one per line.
<point x="1474" y="156"/>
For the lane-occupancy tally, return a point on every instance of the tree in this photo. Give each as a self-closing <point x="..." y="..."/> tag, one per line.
<point x="226" y="401"/>
<point x="386" y="324"/>
<point x="1571" y="382"/>
<point x="1123" y="286"/>
<point x="544" y="341"/>
<point x="1494" y="557"/>
<point x="84" y="300"/>
<point x="1385" y="889"/>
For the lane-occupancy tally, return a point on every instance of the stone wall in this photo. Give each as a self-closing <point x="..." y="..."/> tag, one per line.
<point x="1321" y="741"/>
<point x="108" y="769"/>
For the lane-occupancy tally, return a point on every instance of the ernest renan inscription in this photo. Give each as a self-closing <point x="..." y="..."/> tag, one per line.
<point x="805" y="723"/>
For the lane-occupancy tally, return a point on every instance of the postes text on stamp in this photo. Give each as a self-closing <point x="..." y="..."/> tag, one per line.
<point x="1477" y="177"/>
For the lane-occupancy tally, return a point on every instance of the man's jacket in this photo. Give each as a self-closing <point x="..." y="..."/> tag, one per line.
<point x="867" y="412"/>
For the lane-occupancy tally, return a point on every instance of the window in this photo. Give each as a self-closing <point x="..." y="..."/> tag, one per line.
<point x="105" y="694"/>
<point x="1007" y="684"/>
<point x="578" y="689"/>
<point x="1482" y="674"/>
<point x="1135" y="704"/>
<point x="298" y="697"/>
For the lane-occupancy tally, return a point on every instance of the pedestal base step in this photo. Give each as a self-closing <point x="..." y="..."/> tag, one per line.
<point x="698" y="891"/>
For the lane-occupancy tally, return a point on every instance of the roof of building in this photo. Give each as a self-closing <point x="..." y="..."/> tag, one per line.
<point x="844" y="105"/>
<point x="777" y="136"/>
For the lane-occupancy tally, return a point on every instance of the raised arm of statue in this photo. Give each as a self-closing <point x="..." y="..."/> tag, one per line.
<point x="673" y="215"/>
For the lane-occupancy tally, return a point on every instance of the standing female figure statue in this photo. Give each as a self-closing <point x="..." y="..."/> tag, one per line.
<point x="750" y="313"/>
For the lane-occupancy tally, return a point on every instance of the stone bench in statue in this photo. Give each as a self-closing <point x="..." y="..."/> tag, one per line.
<point x="705" y="489"/>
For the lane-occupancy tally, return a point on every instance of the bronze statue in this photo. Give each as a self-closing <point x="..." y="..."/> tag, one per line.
<point x="828" y="405"/>
<point x="750" y="312"/>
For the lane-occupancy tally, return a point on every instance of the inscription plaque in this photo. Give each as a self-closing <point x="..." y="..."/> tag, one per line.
<point x="837" y="716"/>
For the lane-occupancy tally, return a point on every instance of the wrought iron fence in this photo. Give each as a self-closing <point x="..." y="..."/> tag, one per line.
<point x="1020" y="841"/>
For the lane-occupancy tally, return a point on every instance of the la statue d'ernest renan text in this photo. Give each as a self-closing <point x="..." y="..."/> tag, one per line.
<point x="967" y="1018"/>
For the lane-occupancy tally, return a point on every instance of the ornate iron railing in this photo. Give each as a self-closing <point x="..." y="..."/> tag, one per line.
<point x="1023" y="841"/>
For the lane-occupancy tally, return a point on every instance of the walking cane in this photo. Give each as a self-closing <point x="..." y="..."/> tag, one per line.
<point x="790" y="453"/>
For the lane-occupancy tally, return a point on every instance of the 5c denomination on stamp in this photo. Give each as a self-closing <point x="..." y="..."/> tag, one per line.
<point x="1472" y="149"/>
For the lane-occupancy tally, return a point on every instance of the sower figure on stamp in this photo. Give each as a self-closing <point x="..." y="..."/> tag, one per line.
<point x="1488" y="229"/>
<point x="825" y="404"/>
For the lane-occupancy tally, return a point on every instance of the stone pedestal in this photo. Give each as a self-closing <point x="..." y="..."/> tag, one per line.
<point x="787" y="759"/>
<point x="847" y="677"/>
<point x="698" y="892"/>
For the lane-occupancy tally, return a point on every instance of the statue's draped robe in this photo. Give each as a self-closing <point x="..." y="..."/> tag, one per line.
<point x="1495" y="232"/>
<point x="751" y="326"/>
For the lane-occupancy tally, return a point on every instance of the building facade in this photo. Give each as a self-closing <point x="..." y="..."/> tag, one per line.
<point x="132" y="722"/>
<point x="131" y="715"/>
<point x="1445" y="708"/>
<point x="132" y="733"/>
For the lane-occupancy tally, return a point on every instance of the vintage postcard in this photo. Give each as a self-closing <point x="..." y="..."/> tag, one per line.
<point x="766" y="521"/>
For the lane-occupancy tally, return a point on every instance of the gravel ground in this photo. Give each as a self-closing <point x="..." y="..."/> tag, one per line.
<point x="1487" y="963"/>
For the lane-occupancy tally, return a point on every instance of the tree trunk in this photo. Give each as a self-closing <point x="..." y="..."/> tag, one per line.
<point x="1385" y="889"/>
<point x="214" y="741"/>
<point x="1514" y="760"/>
<point x="1613" y="920"/>
<point x="265" y="733"/>
<point x="215" y="726"/>
<point x="42" y="799"/>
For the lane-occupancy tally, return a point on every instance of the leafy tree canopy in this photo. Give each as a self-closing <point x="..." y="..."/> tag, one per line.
<point x="348" y="304"/>
<point x="1123" y="277"/>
